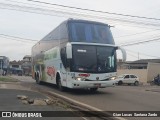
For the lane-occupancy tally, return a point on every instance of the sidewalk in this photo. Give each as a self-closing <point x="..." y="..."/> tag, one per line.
<point x="10" y="102"/>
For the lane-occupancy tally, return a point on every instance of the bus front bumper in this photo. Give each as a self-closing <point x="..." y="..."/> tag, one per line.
<point x="93" y="84"/>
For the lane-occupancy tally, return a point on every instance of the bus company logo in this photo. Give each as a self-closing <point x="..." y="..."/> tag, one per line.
<point x="97" y="78"/>
<point x="51" y="72"/>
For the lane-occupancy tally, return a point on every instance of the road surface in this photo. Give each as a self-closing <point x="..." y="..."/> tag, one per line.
<point x="119" y="98"/>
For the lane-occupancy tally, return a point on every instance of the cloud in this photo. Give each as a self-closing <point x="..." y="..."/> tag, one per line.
<point x="36" y="26"/>
<point x="15" y="50"/>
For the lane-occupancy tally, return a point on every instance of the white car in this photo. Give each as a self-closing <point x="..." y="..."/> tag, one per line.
<point x="127" y="79"/>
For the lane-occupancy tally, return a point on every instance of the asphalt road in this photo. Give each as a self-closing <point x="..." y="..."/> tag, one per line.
<point x="119" y="98"/>
<point x="9" y="103"/>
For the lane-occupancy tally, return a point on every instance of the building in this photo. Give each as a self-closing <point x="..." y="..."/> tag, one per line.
<point x="16" y="67"/>
<point x="139" y="64"/>
<point x="120" y="64"/>
<point x="26" y="65"/>
<point x="4" y="65"/>
<point x="145" y="69"/>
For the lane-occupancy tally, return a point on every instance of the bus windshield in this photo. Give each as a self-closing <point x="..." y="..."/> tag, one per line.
<point x="93" y="59"/>
<point x="90" y="32"/>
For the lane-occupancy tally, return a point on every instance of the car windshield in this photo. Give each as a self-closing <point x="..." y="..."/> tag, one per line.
<point x="121" y="76"/>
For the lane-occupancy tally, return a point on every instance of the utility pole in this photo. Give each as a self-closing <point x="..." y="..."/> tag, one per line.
<point x="138" y="55"/>
<point x="1" y="68"/>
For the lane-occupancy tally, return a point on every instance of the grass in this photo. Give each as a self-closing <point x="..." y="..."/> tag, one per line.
<point x="7" y="79"/>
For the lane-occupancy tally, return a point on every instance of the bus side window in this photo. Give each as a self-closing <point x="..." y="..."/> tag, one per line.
<point x="88" y="33"/>
<point x="64" y="57"/>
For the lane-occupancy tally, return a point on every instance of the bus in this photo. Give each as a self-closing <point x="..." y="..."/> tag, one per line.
<point x="78" y="54"/>
<point x="4" y="65"/>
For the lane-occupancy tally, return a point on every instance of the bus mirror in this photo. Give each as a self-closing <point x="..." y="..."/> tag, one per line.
<point x="69" y="50"/>
<point x="124" y="55"/>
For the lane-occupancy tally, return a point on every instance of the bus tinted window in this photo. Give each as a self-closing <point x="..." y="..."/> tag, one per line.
<point x="89" y="32"/>
<point x="84" y="58"/>
<point x="94" y="59"/>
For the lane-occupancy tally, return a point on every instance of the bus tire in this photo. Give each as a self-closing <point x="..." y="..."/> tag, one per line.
<point x="35" y="75"/>
<point x="59" y="84"/>
<point x="38" y="79"/>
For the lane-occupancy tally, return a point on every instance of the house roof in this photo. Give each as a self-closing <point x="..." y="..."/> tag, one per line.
<point x="27" y="56"/>
<point x="3" y="57"/>
<point x="144" y="61"/>
<point x="15" y="62"/>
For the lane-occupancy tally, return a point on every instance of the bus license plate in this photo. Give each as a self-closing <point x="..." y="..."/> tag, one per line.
<point x="97" y="84"/>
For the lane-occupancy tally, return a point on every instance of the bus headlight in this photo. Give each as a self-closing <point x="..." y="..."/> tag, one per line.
<point x="112" y="78"/>
<point x="79" y="78"/>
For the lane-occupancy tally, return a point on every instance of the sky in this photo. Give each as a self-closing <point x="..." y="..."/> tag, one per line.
<point x="31" y="20"/>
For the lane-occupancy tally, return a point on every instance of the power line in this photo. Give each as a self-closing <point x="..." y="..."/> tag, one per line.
<point x="132" y="55"/>
<point x="26" y="40"/>
<point x="112" y="20"/>
<point x="134" y="43"/>
<point x="19" y="37"/>
<point x="97" y="11"/>
<point x="72" y="11"/>
<point x="141" y="42"/>
<point x="23" y="41"/>
<point x="94" y="16"/>
<point x="58" y="11"/>
<point x="21" y="8"/>
<point x="136" y="33"/>
<point x="141" y="53"/>
<point x="137" y="26"/>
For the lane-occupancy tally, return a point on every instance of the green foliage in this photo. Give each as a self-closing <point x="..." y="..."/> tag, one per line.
<point x="7" y="79"/>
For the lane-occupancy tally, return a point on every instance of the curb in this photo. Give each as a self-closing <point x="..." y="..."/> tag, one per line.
<point x="80" y="106"/>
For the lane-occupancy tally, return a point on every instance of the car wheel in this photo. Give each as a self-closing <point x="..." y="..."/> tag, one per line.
<point x="152" y="83"/>
<point x="136" y="83"/>
<point x="120" y="83"/>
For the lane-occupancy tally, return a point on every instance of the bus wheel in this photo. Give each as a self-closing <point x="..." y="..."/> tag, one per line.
<point x="38" y="79"/>
<point x="59" y="84"/>
<point x="93" y="89"/>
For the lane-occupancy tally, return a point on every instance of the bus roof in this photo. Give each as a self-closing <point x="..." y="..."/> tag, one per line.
<point x="85" y="21"/>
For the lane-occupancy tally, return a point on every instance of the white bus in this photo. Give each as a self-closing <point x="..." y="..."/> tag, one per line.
<point x="77" y="54"/>
<point x="4" y="65"/>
